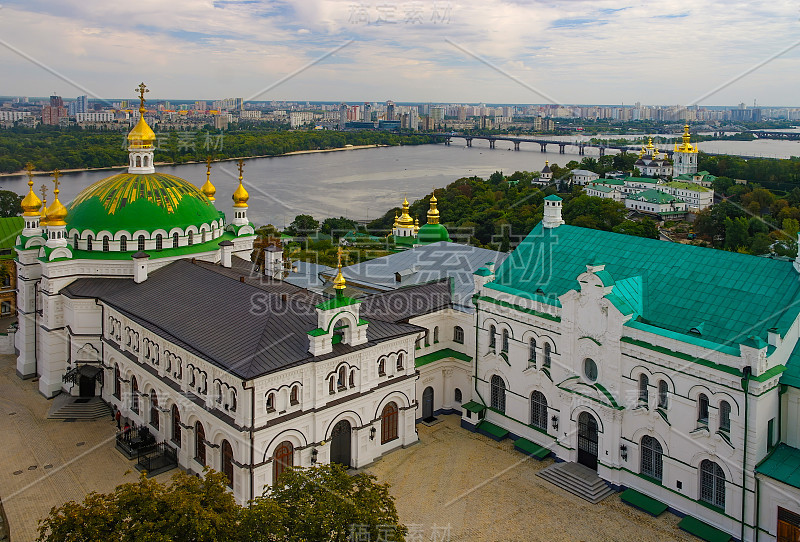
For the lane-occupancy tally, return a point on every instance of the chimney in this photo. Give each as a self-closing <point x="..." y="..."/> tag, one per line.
<point x="140" y="262"/>
<point x="552" y="212"/>
<point x="226" y="249"/>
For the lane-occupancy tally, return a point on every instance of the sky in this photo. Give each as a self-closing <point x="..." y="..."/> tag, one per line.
<point x="466" y="51"/>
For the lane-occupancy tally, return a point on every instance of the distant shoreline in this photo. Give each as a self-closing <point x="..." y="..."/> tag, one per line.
<point x="22" y="173"/>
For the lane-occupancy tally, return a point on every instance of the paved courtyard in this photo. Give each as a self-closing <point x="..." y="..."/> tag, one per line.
<point x="45" y="463"/>
<point x="487" y="492"/>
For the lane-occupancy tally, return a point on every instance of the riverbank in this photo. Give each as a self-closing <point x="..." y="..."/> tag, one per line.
<point x="22" y="172"/>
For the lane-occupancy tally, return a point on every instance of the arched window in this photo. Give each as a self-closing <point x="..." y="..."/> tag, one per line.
<point x="389" y="418"/>
<point x="293" y="400"/>
<point x="498" y="394"/>
<point x="663" y="394"/>
<point x="644" y="395"/>
<point x="546" y="362"/>
<point x="123" y="243"/>
<point x="218" y="392"/>
<point x="712" y="484"/>
<point x="134" y="395"/>
<point x="176" y="425"/>
<point x="270" y="402"/>
<point x="200" y="443"/>
<point x="492" y="337"/>
<point x="458" y="335"/>
<point x="652" y="460"/>
<point x="332" y="385"/>
<point x="140" y="246"/>
<point x="191" y="238"/>
<point x="400" y="361"/>
<point x="159" y="242"/>
<point x="233" y="401"/>
<point x="145" y="161"/>
<point x="352" y="382"/>
<point x="539" y="410"/>
<point x="340" y="382"/>
<point x="282" y="459"/>
<point x="382" y="367"/>
<point x="154" y="409"/>
<point x="117" y="382"/>
<point x="106" y="245"/>
<point x="435" y="334"/>
<point x="75" y="241"/>
<point x="724" y="416"/>
<point x="532" y="352"/>
<point x="505" y="341"/>
<point x="88" y="242"/>
<point x="175" y="240"/>
<point x="138" y="161"/>
<point x="702" y="409"/>
<point x="227" y="462"/>
<point x="590" y="369"/>
<point x="458" y="398"/>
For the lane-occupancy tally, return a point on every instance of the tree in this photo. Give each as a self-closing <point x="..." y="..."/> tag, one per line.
<point x="326" y="503"/>
<point x="302" y="225"/>
<point x="10" y="204"/>
<point x="336" y="227"/>
<point x="736" y="235"/>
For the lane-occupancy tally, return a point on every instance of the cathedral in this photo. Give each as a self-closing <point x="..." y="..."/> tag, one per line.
<point x="667" y="371"/>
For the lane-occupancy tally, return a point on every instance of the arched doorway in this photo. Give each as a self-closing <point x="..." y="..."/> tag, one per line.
<point x="227" y="462"/>
<point x="427" y="404"/>
<point x="340" y="443"/>
<point x="283" y="459"/>
<point x="587" y="440"/>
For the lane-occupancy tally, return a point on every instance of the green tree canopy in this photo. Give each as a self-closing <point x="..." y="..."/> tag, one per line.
<point x="10" y="203"/>
<point x="303" y="225"/>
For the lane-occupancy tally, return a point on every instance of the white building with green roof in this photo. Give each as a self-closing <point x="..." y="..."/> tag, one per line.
<point x="667" y="369"/>
<point x="656" y="202"/>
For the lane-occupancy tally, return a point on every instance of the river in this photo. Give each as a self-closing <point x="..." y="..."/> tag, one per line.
<point x="364" y="183"/>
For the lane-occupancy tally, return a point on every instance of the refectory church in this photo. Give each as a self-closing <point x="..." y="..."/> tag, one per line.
<point x="666" y="370"/>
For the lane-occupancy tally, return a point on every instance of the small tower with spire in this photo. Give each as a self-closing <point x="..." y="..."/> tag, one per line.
<point x="56" y="215"/>
<point x="684" y="157"/>
<point x="43" y="214"/>
<point x="208" y="189"/>
<point x="31" y="206"/>
<point x="240" y="197"/>
<point x="141" y="141"/>
<point x="404" y="224"/>
<point x="547" y="174"/>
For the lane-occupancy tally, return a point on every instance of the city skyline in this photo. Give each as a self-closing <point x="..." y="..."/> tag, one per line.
<point x="712" y="54"/>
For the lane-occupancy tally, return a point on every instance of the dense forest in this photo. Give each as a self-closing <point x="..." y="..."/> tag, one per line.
<point x="50" y="148"/>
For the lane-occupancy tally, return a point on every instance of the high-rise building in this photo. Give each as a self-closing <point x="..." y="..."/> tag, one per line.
<point x="366" y="113"/>
<point x="53" y="113"/>
<point x="390" y="110"/>
<point x="342" y="116"/>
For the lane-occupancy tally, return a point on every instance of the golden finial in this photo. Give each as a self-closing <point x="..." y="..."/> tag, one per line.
<point x="240" y="195"/>
<point x="141" y="89"/>
<point x="208" y="189"/>
<point x="30" y="203"/>
<point x="56" y="213"/>
<point x="433" y="212"/>
<point x="339" y="283"/>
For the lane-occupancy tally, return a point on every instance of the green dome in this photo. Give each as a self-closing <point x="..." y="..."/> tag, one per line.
<point x="432" y="233"/>
<point x="133" y="202"/>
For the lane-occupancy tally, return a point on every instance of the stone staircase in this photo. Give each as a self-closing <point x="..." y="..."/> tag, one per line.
<point x="65" y="407"/>
<point x="577" y="479"/>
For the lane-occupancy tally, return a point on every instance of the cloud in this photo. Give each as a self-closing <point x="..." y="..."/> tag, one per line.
<point x="578" y="51"/>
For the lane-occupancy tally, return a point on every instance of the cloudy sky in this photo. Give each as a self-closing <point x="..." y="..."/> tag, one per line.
<point x="495" y="51"/>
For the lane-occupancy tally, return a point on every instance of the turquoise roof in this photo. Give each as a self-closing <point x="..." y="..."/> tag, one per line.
<point x="671" y="286"/>
<point x="654" y="196"/>
<point x="552" y="197"/>
<point x="641" y="180"/>
<point x="783" y="465"/>
<point x="617" y="182"/>
<point x="791" y="376"/>
<point x="601" y="188"/>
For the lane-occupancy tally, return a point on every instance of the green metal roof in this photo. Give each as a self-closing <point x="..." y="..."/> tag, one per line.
<point x="552" y="197"/>
<point x="601" y="188"/>
<point x="687" y="186"/>
<point x="472" y="406"/>
<point x="676" y="285"/>
<point x="432" y="233"/>
<point x="641" y="180"/>
<point x="164" y="253"/>
<point x="131" y="202"/>
<point x="783" y="464"/>
<point x="10" y="228"/>
<point x="616" y="182"/>
<point x="791" y="377"/>
<point x="441" y="354"/>
<point x="654" y="196"/>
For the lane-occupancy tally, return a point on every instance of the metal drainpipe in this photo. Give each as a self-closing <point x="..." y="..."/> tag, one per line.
<point x="36" y="328"/>
<point x="758" y="503"/>
<point x="746" y="386"/>
<point x="252" y="441"/>
<point x="477" y="311"/>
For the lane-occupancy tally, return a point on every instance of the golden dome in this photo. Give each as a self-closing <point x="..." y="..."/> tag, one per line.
<point x="405" y="220"/>
<point x="433" y="212"/>
<point x="56" y="213"/>
<point x="208" y="189"/>
<point x="416" y="225"/>
<point x="240" y="195"/>
<point x="31" y="203"/>
<point x="686" y="146"/>
<point x="339" y="283"/>
<point x="142" y="136"/>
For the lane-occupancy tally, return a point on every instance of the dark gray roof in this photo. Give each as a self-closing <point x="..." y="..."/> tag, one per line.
<point x="426" y="263"/>
<point x="247" y="329"/>
<point x="307" y="275"/>
<point x="404" y="303"/>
